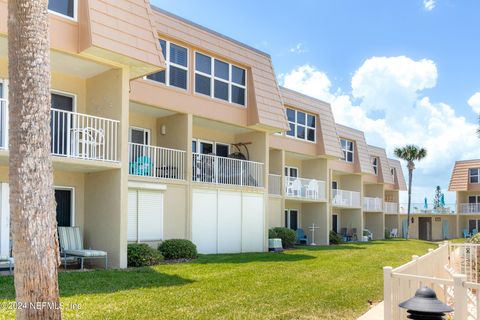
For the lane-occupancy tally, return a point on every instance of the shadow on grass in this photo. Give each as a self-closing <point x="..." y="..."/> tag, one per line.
<point x="252" y="257"/>
<point x="349" y="245"/>
<point x="102" y="281"/>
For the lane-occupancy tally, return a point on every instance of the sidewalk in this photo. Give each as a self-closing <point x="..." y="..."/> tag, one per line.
<point x="375" y="313"/>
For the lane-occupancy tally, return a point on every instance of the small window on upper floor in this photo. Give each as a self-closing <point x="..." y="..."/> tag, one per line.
<point x="67" y="8"/>
<point x="302" y="125"/>
<point x="176" y="61"/>
<point x="375" y="165"/>
<point x="474" y="175"/>
<point x="392" y="172"/>
<point x="220" y="80"/>
<point x="347" y="148"/>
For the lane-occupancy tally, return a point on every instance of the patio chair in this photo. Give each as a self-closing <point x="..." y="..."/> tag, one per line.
<point x="301" y="236"/>
<point x="367" y="233"/>
<point x="344" y="234"/>
<point x="312" y="189"/>
<point x="394" y="233"/>
<point x="352" y="233"/>
<point x="294" y="188"/>
<point x="8" y="258"/>
<point x="466" y="234"/>
<point x="142" y="166"/>
<point x="474" y="232"/>
<point x="71" y="244"/>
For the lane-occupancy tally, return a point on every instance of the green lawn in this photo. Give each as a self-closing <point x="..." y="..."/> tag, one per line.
<point x="305" y="283"/>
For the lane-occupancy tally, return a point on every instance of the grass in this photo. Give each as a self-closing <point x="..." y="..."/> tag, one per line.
<point x="305" y="283"/>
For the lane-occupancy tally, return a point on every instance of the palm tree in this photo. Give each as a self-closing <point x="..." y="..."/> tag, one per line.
<point x="410" y="153"/>
<point x="32" y="202"/>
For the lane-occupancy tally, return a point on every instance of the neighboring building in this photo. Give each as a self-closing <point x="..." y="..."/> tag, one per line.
<point x="148" y="109"/>
<point x="465" y="182"/>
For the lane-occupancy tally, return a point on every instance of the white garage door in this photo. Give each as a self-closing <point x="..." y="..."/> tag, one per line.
<point x="145" y="215"/>
<point x="227" y="222"/>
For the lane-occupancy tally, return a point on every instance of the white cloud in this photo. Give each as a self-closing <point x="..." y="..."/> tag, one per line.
<point x="474" y="102"/>
<point x="429" y="4"/>
<point x="298" y="48"/>
<point x="394" y="85"/>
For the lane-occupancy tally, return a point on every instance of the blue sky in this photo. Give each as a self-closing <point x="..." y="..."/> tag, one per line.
<point x="409" y="67"/>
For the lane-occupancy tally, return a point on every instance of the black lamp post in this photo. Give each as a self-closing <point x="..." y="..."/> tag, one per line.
<point x="425" y="305"/>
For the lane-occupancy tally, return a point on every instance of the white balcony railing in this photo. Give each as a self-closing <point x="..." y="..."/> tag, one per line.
<point x="469" y="208"/>
<point x="156" y="162"/>
<point x="391" y="207"/>
<point x="421" y="208"/>
<point x="372" y="204"/>
<point x="275" y="184"/>
<point x="304" y="188"/>
<point x="221" y="170"/>
<point x="345" y="198"/>
<point x="82" y="136"/>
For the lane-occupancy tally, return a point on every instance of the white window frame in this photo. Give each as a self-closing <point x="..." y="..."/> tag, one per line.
<point x="474" y="175"/>
<point x="295" y="124"/>
<point x="346" y="151"/>
<point x="66" y="94"/>
<point x="75" y="12"/>
<point x="145" y="130"/>
<point x="288" y="168"/>
<point x="375" y="161"/>
<point x="168" y="64"/>
<point x="212" y="78"/>
<point x="72" y="204"/>
<point x="287" y="222"/>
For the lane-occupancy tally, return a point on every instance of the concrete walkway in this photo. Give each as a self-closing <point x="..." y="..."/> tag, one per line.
<point x="375" y="313"/>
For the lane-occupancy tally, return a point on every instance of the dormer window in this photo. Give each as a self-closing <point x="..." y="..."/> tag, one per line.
<point x="176" y="60"/>
<point x="474" y="175"/>
<point x="392" y="172"/>
<point x="220" y="80"/>
<point x="375" y="165"/>
<point x="302" y="125"/>
<point x="66" y="8"/>
<point x="347" y="149"/>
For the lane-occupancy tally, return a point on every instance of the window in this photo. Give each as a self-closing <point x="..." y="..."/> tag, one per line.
<point x="66" y="8"/>
<point x="375" y="165"/>
<point x="334" y="185"/>
<point x="291" y="219"/>
<point x="64" y="199"/>
<point x="222" y="150"/>
<point x="219" y="79"/>
<point x="392" y="172"/>
<point x="291" y="172"/>
<point x="176" y="60"/>
<point x="347" y="148"/>
<point x="474" y="199"/>
<point x="474" y="175"/>
<point x="139" y="136"/>
<point x="302" y="125"/>
<point x="210" y="147"/>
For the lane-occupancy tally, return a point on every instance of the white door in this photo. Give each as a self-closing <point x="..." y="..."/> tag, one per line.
<point x="204" y="220"/>
<point x="145" y="215"/>
<point x="229" y="222"/>
<point x="4" y="220"/>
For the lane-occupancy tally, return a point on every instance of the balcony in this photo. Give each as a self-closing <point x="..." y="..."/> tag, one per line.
<point x="227" y="171"/>
<point x="391" y="208"/>
<point x="156" y="162"/>
<point x="275" y="184"/>
<point x="372" y="204"/>
<point x="345" y="198"/>
<point x="310" y="189"/>
<point x="74" y="135"/>
<point x="421" y="208"/>
<point x="470" y="208"/>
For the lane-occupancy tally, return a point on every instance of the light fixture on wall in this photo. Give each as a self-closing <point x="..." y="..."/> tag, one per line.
<point x="163" y="129"/>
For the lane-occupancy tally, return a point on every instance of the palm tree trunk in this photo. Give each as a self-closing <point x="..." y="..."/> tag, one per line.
<point x="410" y="177"/>
<point x="32" y="203"/>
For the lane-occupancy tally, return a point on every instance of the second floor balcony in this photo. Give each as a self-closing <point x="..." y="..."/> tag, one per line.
<point x="372" y="204"/>
<point x="391" y="207"/>
<point x="303" y="188"/>
<point x="345" y="198"/>
<point x="470" y="208"/>
<point x="75" y="135"/>
<point x="156" y="162"/>
<point x="214" y="169"/>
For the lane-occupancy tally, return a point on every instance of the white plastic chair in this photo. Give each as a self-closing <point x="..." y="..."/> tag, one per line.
<point x="294" y="188"/>
<point x="394" y="233"/>
<point x="312" y="189"/>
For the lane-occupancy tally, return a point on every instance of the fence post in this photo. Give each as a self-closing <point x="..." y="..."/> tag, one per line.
<point x="460" y="296"/>
<point x="387" y="293"/>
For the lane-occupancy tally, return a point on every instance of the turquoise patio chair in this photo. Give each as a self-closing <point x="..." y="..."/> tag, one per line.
<point x="142" y="166"/>
<point x="466" y="234"/>
<point x="474" y="232"/>
<point x="301" y="236"/>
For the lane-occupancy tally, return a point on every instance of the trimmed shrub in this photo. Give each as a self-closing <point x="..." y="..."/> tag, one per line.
<point x="474" y="239"/>
<point x="142" y="255"/>
<point x="272" y="234"/>
<point x="288" y="236"/>
<point x="387" y="234"/>
<point x="334" y="238"/>
<point x="178" y="249"/>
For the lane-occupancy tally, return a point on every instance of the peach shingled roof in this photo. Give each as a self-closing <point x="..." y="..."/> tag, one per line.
<point x="459" y="178"/>
<point x="384" y="165"/>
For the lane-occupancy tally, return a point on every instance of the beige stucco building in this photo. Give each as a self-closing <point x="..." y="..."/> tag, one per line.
<point x="164" y="129"/>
